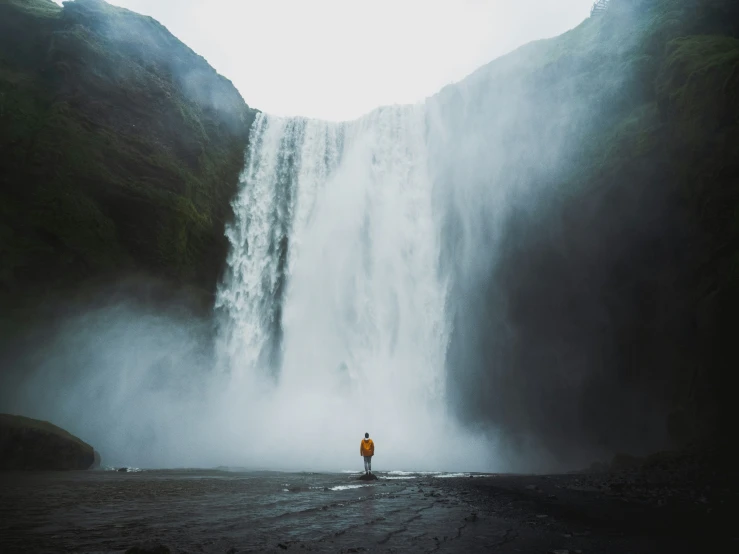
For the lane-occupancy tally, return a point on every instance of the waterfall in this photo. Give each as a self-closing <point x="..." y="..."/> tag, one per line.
<point x="334" y="294"/>
<point x="334" y="267"/>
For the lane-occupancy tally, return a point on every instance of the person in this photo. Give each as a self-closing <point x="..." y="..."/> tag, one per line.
<point x="367" y="450"/>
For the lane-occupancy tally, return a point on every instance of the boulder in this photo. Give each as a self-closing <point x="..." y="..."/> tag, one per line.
<point x="32" y="444"/>
<point x="368" y="477"/>
<point x="625" y="462"/>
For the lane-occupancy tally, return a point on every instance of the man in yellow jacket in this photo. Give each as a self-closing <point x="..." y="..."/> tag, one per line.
<point x="367" y="450"/>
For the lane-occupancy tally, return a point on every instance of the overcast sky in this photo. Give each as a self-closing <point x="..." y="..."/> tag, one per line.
<point x="338" y="59"/>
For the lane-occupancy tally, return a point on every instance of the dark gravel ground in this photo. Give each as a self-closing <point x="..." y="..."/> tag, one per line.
<point x="619" y="513"/>
<point x="663" y="508"/>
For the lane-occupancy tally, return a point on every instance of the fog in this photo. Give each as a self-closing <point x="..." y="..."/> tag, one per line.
<point x="145" y="387"/>
<point x="337" y="60"/>
<point x="131" y="381"/>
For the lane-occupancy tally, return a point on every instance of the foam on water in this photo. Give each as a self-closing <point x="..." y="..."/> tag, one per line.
<point x="347" y="487"/>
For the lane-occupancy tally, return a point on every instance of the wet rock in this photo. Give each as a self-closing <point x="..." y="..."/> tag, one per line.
<point x="177" y="110"/>
<point x="122" y="469"/>
<point x="598" y="467"/>
<point x="149" y="548"/>
<point x="681" y="426"/>
<point x="623" y="462"/>
<point x="367" y="477"/>
<point x="32" y="444"/>
<point x="616" y="487"/>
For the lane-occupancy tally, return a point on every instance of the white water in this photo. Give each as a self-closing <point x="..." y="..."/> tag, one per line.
<point x="333" y="307"/>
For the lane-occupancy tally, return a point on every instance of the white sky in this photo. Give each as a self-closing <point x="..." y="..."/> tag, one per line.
<point x="338" y="59"/>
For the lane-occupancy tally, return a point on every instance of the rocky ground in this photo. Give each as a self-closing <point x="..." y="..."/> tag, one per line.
<point x="682" y="507"/>
<point x="620" y="512"/>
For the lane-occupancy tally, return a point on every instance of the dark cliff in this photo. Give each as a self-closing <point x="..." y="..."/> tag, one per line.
<point x="120" y="150"/>
<point x="601" y="310"/>
<point x="32" y="444"/>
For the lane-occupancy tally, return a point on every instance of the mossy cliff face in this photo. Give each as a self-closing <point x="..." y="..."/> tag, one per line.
<point x="120" y="149"/>
<point x="601" y="312"/>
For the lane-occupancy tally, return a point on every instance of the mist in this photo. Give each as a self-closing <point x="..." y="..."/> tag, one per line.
<point x="352" y="58"/>
<point x="146" y="387"/>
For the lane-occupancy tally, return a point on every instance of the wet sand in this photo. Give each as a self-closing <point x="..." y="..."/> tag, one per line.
<point x="222" y="511"/>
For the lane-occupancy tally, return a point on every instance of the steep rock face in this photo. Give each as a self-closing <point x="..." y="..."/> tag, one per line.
<point x="597" y="313"/>
<point x="32" y="444"/>
<point x="120" y="149"/>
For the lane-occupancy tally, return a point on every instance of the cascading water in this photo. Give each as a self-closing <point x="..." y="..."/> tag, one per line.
<point x="333" y="307"/>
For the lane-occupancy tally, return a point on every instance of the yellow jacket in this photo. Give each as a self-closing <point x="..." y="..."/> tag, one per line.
<point x="367" y="448"/>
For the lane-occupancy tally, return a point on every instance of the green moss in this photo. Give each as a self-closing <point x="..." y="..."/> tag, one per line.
<point x="121" y="163"/>
<point x="78" y="223"/>
<point x="36" y="8"/>
<point x="700" y="79"/>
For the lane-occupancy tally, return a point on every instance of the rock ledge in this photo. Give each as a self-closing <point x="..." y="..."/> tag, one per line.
<point x="32" y="444"/>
